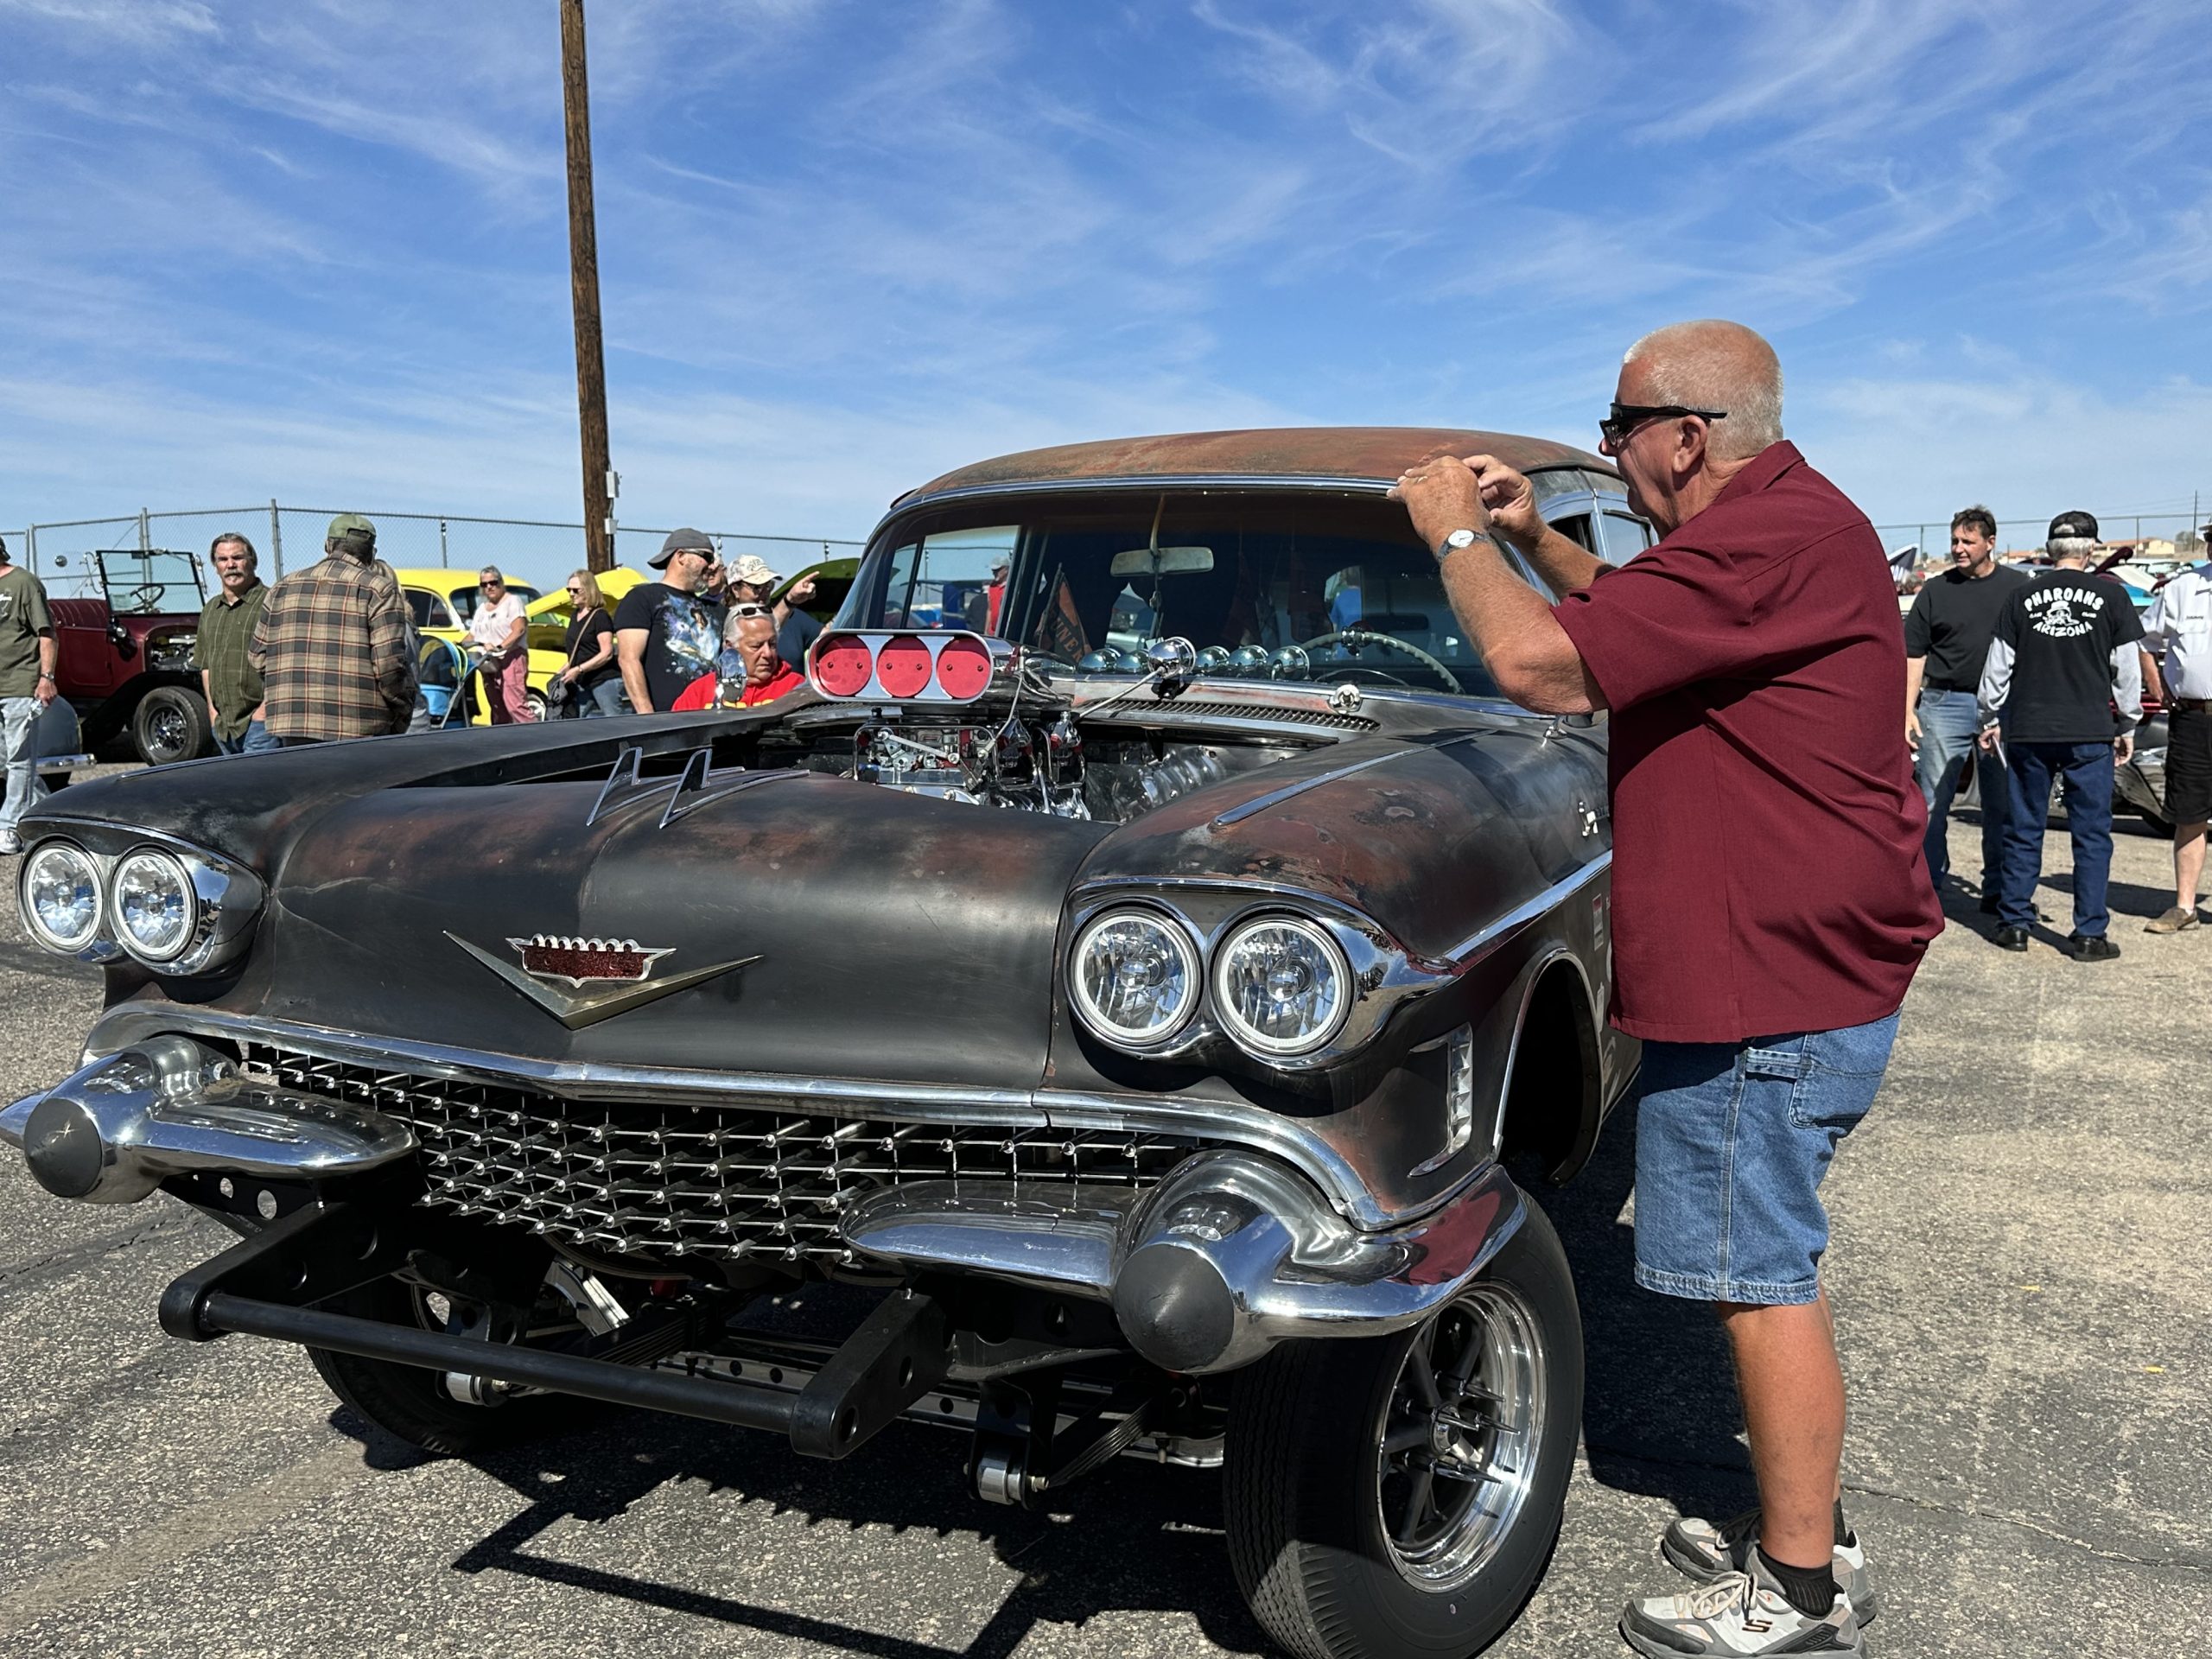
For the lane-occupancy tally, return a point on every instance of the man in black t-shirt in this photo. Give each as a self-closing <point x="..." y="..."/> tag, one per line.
<point x="663" y="638"/>
<point x="1946" y="639"/>
<point x="2063" y="657"/>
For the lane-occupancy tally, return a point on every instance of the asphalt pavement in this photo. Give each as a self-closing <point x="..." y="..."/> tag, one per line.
<point x="2022" y="1275"/>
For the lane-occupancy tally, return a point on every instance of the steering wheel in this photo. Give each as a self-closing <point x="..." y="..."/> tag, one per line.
<point x="145" y="600"/>
<point x="1358" y="634"/>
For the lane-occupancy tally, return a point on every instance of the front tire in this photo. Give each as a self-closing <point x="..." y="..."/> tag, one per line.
<point x="411" y="1403"/>
<point x="1401" y="1494"/>
<point x="169" y="723"/>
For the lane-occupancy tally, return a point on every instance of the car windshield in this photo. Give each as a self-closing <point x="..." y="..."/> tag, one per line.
<point x="150" y="584"/>
<point x="1268" y="585"/>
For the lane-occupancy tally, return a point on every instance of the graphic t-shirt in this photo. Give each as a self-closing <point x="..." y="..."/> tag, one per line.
<point x="22" y="619"/>
<point x="682" y="639"/>
<point x="1952" y="621"/>
<point x="2056" y="637"/>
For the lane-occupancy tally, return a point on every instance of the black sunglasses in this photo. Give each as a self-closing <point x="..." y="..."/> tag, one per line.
<point x="1626" y="417"/>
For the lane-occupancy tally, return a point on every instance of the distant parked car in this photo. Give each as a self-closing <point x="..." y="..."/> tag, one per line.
<point x="124" y="658"/>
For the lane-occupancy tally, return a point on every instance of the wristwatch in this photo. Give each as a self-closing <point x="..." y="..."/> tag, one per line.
<point x="1458" y="539"/>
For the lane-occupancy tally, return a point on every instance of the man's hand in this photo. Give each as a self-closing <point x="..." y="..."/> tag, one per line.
<point x="799" y="592"/>
<point x="45" y="690"/>
<point x="2123" y="748"/>
<point x="1912" y="731"/>
<point x="1508" y="498"/>
<point x="1988" y="740"/>
<point x="1441" y="496"/>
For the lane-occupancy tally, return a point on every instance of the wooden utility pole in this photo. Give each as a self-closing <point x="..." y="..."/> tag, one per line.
<point x="583" y="290"/>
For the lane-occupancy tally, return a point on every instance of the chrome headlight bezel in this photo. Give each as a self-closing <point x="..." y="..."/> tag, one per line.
<point x="167" y="866"/>
<point x="1178" y="941"/>
<point x="1247" y="1036"/>
<point x="62" y="847"/>
<point x="227" y="898"/>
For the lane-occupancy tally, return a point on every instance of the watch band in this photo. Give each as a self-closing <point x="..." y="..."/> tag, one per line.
<point x="1458" y="538"/>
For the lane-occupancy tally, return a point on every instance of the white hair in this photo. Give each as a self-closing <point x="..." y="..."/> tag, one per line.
<point x="1721" y="365"/>
<point x="490" y="571"/>
<point x="2069" y="550"/>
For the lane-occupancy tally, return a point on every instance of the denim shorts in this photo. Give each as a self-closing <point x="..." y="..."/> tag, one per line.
<point x="1732" y="1141"/>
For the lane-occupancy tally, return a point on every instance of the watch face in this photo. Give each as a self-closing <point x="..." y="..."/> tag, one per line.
<point x="1459" y="538"/>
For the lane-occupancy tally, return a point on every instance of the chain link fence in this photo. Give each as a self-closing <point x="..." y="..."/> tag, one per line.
<point x="2026" y="535"/>
<point x="536" y="552"/>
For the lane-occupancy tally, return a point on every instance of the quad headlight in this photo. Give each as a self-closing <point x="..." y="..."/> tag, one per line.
<point x="1281" y="987"/>
<point x="155" y="912"/>
<point x="1134" y="975"/>
<point x="60" y="892"/>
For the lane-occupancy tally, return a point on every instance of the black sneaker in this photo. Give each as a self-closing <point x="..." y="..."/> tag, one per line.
<point x="2009" y="938"/>
<point x="2091" y="948"/>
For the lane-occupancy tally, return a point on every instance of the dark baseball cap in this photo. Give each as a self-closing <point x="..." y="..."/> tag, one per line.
<point x="2078" y="526"/>
<point x="681" y="541"/>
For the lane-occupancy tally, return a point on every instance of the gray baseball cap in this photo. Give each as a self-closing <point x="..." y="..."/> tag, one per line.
<point x="681" y="541"/>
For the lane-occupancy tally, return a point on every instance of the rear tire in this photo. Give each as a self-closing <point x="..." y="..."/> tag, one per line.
<point x="1328" y="1527"/>
<point x="412" y="1404"/>
<point x="168" y="724"/>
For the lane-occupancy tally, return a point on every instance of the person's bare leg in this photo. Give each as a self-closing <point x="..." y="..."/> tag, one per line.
<point x="1792" y="1390"/>
<point x="2188" y="863"/>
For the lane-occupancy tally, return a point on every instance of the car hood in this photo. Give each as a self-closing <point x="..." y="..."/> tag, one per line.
<point x="874" y="934"/>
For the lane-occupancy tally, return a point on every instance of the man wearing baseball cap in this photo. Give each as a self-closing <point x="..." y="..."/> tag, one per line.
<point x="2065" y="653"/>
<point x="2179" y="626"/>
<point x="663" y="638"/>
<point x="334" y="647"/>
<point x="752" y="583"/>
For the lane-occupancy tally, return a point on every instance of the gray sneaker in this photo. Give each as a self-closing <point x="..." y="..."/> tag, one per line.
<point x="1738" y="1615"/>
<point x="1704" y="1550"/>
<point x="9" y="844"/>
<point x="2172" y="922"/>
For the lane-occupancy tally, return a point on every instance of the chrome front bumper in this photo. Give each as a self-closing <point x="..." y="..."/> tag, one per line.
<point x="1232" y="1253"/>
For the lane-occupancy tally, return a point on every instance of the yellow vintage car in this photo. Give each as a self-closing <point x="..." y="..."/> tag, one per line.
<point x="442" y="601"/>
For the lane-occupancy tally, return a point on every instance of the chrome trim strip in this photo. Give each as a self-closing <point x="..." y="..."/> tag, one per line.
<point x="1493" y="934"/>
<point x="63" y="763"/>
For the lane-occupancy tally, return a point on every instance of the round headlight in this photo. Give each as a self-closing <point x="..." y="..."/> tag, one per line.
<point x="1281" y="987"/>
<point x="1133" y="975"/>
<point x="61" y="896"/>
<point x="157" y="912"/>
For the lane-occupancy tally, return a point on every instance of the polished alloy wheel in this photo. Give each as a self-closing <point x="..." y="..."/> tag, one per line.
<point x="171" y="735"/>
<point x="1460" y="1437"/>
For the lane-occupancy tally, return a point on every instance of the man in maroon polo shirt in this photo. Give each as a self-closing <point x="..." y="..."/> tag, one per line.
<point x="1771" y="900"/>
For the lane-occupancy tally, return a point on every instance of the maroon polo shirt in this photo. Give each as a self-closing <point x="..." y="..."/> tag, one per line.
<point x="1768" y="875"/>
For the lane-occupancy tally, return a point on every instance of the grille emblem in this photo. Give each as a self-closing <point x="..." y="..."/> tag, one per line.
<point x="612" y="976"/>
<point x="583" y="962"/>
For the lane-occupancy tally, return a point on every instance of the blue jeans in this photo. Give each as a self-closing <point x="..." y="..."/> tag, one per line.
<point x="2086" y="769"/>
<point x="1948" y="727"/>
<point x="19" y="719"/>
<point x="1732" y="1142"/>
<point x="256" y="740"/>
<point x="605" y="698"/>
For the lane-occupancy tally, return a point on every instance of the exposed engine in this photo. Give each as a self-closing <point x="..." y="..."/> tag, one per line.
<point x="1048" y="765"/>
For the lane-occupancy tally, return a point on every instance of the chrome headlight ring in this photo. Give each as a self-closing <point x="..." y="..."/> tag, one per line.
<point x="224" y="900"/>
<point x="1134" y="976"/>
<point x="1281" y="986"/>
<point x="62" y="899"/>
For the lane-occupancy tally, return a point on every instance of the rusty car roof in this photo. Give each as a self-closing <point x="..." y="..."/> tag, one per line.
<point x="1364" y="453"/>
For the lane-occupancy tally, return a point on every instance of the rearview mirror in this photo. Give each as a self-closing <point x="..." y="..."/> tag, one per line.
<point x="1162" y="562"/>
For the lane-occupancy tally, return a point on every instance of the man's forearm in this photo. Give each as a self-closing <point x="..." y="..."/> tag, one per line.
<point x="1560" y="560"/>
<point x="1916" y="670"/>
<point x="634" y="682"/>
<point x="49" y="655"/>
<point x="1520" y="641"/>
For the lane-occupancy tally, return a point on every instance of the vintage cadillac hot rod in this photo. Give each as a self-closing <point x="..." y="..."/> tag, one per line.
<point x="1124" y="974"/>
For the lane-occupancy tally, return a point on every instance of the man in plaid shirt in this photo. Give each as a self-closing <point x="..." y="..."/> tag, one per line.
<point x="333" y="645"/>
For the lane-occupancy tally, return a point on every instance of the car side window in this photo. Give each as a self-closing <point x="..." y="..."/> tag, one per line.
<point x="420" y="608"/>
<point x="1576" y="527"/>
<point x="1624" y="536"/>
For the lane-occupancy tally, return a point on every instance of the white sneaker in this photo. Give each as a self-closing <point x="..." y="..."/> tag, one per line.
<point x="1705" y="1549"/>
<point x="1738" y="1615"/>
<point x="10" y="843"/>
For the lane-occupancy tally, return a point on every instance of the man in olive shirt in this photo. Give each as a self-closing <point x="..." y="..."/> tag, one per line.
<point x="1946" y="641"/>
<point x="27" y="655"/>
<point x="230" y="682"/>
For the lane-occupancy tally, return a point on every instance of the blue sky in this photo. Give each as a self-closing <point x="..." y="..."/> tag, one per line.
<point x="318" y="249"/>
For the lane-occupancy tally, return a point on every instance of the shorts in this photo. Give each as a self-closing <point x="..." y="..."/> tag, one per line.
<point x="2189" y="765"/>
<point x="1732" y="1142"/>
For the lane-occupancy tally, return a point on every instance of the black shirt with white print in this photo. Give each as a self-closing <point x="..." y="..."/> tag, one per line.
<point x="2065" y="652"/>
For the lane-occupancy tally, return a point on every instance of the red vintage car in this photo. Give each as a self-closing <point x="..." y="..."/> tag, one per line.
<point x="125" y="654"/>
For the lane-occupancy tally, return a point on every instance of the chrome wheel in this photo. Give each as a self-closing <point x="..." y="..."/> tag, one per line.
<point x="1460" y="1437"/>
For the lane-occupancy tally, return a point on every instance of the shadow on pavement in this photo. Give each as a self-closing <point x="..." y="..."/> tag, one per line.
<point x="1131" y="1538"/>
<point x="1660" y="1416"/>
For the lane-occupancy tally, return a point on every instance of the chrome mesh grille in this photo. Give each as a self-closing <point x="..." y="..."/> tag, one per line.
<point x="673" y="1181"/>
<point x="1283" y="714"/>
